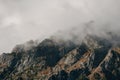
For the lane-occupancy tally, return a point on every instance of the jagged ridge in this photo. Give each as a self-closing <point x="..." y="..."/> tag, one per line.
<point x="95" y="58"/>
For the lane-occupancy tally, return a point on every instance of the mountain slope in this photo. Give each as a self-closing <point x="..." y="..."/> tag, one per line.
<point x="94" y="58"/>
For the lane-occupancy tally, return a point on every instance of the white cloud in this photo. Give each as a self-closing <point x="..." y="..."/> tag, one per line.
<point x="11" y="20"/>
<point x="22" y="20"/>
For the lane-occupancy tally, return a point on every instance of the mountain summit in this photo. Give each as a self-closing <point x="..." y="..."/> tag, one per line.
<point x="95" y="58"/>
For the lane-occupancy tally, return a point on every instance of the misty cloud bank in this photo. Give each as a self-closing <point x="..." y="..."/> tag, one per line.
<point x="23" y="20"/>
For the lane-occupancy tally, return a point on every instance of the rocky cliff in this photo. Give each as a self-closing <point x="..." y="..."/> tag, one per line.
<point x="95" y="58"/>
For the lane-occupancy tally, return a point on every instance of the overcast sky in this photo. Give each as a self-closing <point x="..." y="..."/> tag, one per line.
<point x="22" y="20"/>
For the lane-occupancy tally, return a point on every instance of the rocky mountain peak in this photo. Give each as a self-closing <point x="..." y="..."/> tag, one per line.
<point x="95" y="58"/>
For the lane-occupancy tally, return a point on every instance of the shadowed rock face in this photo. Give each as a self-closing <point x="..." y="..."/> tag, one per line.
<point x="95" y="58"/>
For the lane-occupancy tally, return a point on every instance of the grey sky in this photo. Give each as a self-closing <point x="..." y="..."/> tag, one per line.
<point x="22" y="20"/>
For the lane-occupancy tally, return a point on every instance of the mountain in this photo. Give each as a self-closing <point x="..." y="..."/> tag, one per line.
<point x="95" y="58"/>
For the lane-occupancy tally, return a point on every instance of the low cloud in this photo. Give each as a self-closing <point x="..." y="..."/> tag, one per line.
<point x="23" y="20"/>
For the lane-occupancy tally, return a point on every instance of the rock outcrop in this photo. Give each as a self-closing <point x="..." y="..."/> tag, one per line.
<point x="95" y="58"/>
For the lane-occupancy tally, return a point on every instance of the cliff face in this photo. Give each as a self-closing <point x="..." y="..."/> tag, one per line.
<point x="94" y="58"/>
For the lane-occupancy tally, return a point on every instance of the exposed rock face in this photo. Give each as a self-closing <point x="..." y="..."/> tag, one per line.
<point x="94" y="59"/>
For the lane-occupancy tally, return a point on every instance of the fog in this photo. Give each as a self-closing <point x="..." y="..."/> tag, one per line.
<point x="23" y="20"/>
